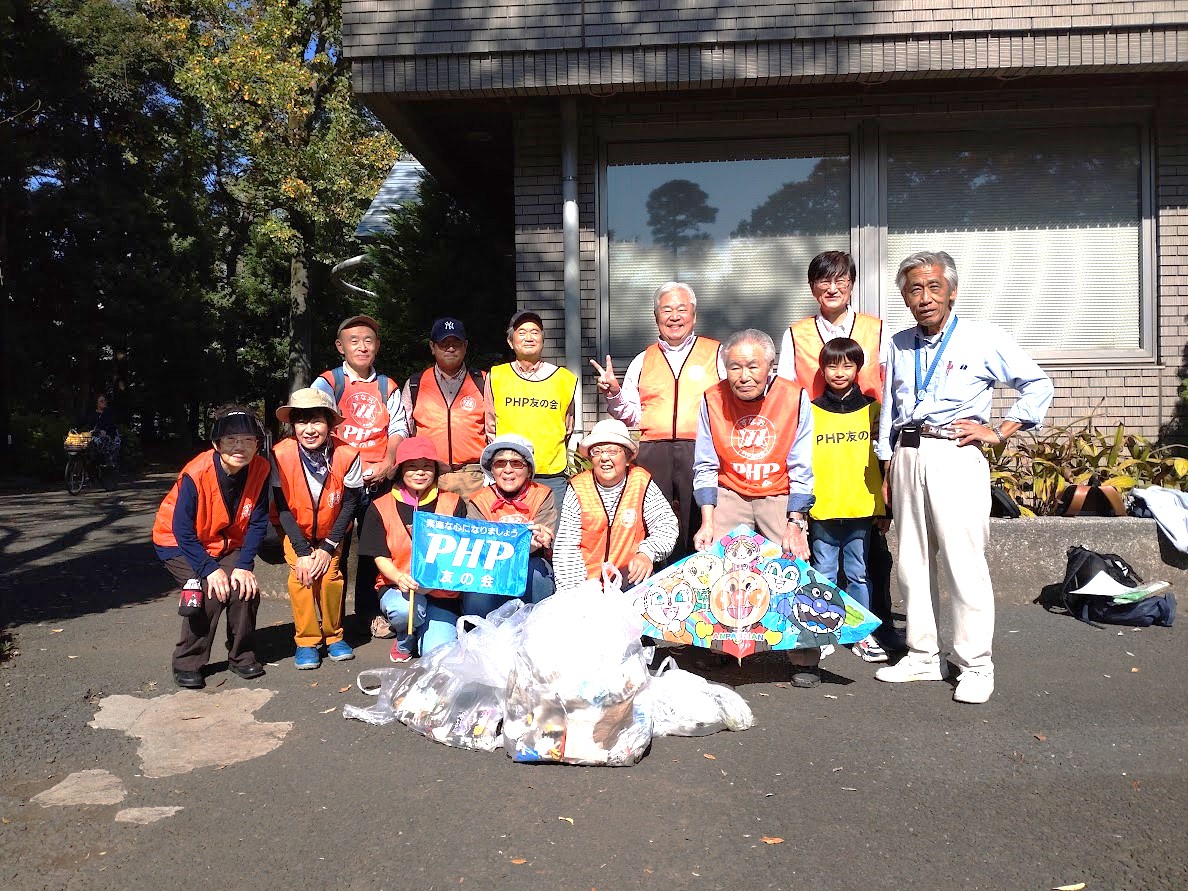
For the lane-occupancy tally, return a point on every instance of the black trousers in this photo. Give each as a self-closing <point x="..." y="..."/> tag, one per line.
<point x="671" y="465"/>
<point x="198" y="632"/>
<point x="366" y="597"/>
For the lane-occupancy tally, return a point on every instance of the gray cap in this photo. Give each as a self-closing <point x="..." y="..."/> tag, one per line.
<point x="517" y="444"/>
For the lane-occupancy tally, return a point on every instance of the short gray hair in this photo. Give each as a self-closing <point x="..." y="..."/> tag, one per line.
<point x="751" y="335"/>
<point x="668" y="288"/>
<point x="927" y="258"/>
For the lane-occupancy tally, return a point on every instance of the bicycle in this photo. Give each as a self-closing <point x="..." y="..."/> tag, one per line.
<point x="85" y="463"/>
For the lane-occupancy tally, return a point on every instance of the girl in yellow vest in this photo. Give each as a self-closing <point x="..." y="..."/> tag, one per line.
<point x="515" y="497"/>
<point x="847" y="483"/>
<point x="387" y="536"/>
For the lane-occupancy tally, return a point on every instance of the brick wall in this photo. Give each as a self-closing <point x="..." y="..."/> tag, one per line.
<point x="1142" y="395"/>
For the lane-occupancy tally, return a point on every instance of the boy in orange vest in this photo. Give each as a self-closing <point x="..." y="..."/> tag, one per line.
<point x="207" y="531"/>
<point x="315" y="488"/>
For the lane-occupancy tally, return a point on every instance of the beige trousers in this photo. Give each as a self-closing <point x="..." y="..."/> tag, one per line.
<point x="940" y="494"/>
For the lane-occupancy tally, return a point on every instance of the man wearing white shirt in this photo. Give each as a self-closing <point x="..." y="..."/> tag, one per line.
<point x="661" y="394"/>
<point x="940" y="378"/>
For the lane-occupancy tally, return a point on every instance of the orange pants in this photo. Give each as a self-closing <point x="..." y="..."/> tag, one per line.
<point x="324" y="596"/>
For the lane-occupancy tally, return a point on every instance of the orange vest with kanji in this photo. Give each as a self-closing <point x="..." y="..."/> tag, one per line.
<point x="490" y="502"/>
<point x="670" y="403"/>
<point x="806" y="348"/>
<point x="458" y="431"/>
<point x="611" y="539"/>
<point x="219" y="533"/>
<point x="315" y="521"/>
<point x="365" y="417"/>
<point x="752" y="439"/>
<point x="399" y="536"/>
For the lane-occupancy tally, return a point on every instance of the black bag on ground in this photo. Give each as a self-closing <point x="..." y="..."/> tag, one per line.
<point x="1083" y="565"/>
<point x="1003" y="505"/>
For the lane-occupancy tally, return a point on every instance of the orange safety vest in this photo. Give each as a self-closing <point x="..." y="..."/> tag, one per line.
<point x="670" y="402"/>
<point x="365" y="416"/>
<point x="219" y="533"/>
<point x="490" y="502"/>
<point x="806" y="349"/>
<point x="315" y="521"/>
<point x="399" y="536"/>
<point x="458" y="431"/>
<point x="608" y="539"/>
<point x="753" y="438"/>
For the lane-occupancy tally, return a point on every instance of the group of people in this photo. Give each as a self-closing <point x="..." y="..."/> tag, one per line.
<point x="812" y="451"/>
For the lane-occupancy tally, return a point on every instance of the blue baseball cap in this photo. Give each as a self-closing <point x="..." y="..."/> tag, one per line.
<point x="447" y="327"/>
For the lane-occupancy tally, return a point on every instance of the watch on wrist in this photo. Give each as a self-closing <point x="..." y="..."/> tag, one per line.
<point x="798" y="521"/>
<point x="1002" y="437"/>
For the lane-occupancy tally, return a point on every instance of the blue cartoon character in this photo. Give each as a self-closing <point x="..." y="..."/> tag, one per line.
<point x="818" y="608"/>
<point x="782" y="575"/>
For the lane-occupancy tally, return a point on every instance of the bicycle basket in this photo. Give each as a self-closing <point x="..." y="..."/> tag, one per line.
<point x="77" y="442"/>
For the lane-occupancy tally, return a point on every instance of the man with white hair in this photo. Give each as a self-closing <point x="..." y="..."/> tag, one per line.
<point x="660" y="394"/>
<point x="752" y="463"/>
<point x="940" y="378"/>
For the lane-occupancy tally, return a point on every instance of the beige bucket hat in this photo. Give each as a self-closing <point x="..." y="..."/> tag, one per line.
<point x="608" y="432"/>
<point x="307" y="398"/>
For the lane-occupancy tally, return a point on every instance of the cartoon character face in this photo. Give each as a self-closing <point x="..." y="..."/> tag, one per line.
<point x="740" y="598"/>
<point x="667" y="606"/>
<point x="819" y="608"/>
<point x="782" y="575"/>
<point x="702" y="570"/>
<point x="741" y="551"/>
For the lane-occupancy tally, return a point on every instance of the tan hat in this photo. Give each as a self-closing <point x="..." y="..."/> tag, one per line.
<point x="310" y="397"/>
<point x="359" y="321"/>
<point x="608" y="432"/>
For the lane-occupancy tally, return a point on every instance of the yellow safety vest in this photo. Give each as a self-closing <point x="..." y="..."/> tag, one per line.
<point x="846" y="478"/>
<point x="535" y="410"/>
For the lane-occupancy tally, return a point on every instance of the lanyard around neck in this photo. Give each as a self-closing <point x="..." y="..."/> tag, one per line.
<point x="922" y="385"/>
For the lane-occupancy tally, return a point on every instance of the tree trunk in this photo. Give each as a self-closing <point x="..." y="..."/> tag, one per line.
<point x="300" y="335"/>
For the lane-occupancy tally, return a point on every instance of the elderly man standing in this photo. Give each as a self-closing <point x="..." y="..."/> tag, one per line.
<point x="831" y="277"/>
<point x="660" y="394"/>
<point x="534" y="399"/>
<point x="752" y="463"/>
<point x="445" y="404"/>
<point x="936" y="412"/>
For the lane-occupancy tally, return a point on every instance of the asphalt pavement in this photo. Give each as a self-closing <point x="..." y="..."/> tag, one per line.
<point x="1073" y="773"/>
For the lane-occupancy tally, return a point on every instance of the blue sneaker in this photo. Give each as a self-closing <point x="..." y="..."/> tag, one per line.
<point x="340" y="651"/>
<point x="307" y="657"/>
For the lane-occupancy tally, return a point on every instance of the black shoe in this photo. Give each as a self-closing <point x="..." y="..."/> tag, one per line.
<point x="190" y="680"/>
<point x="248" y="672"/>
<point x="806" y="676"/>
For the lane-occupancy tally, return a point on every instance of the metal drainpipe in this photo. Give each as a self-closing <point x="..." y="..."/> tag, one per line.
<point x="570" y="241"/>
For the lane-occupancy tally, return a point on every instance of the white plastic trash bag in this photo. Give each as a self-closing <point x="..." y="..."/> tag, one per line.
<point x="685" y="704"/>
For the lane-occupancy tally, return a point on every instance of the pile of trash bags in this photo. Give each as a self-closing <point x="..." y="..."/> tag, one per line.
<point x="565" y="680"/>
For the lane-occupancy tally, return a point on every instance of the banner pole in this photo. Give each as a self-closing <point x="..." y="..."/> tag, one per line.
<point x="411" y="595"/>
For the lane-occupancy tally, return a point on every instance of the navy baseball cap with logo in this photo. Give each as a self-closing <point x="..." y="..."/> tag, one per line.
<point x="447" y="327"/>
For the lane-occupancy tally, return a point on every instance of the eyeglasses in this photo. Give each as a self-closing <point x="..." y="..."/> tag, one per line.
<point x="233" y="441"/>
<point x="512" y="463"/>
<point x="610" y="451"/>
<point x="842" y="282"/>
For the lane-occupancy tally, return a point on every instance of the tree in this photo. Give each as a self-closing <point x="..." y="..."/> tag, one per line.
<point x="676" y="211"/>
<point x="819" y="203"/>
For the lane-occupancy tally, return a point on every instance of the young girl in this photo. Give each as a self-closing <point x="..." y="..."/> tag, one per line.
<point x="315" y="488"/>
<point x="387" y="536"/>
<point x="515" y="497"/>
<point x="207" y="532"/>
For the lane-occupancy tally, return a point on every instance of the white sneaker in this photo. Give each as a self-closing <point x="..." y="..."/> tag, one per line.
<point x="826" y="650"/>
<point x="974" y="685"/>
<point x="908" y="669"/>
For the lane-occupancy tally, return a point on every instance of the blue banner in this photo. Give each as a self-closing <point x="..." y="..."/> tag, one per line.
<point x="452" y="554"/>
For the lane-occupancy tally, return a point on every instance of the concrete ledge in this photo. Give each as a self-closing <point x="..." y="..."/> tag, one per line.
<point x="1024" y="555"/>
<point x="1027" y="554"/>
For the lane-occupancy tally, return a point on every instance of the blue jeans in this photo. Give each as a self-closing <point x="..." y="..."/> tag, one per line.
<point x="540" y="585"/>
<point x="433" y="624"/>
<point x="850" y="539"/>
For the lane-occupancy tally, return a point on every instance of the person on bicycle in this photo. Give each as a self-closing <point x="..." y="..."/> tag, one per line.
<point x="105" y="435"/>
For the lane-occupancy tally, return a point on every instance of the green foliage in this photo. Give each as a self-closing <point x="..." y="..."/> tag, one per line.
<point x="1034" y="468"/>
<point x="440" y="258"/>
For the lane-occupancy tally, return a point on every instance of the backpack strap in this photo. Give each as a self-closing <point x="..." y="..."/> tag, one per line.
<point x="339" y="383"/>
<point x="385" y="386"/>
<point x="414" y="387"/>
<point x="1077" y="502"/>
<point x="1114" y="497"/>
<point x="480" y="382"/>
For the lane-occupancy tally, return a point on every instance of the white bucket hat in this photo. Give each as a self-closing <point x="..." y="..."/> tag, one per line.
<point x="608" y="432"/>
<point x="309" y="398"/>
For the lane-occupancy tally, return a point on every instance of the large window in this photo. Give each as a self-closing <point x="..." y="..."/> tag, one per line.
<point x="1044" y="226"/>
<point x="738" y="222"/>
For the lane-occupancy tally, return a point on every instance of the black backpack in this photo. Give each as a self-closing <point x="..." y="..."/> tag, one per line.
<point x="1083" y="565"/>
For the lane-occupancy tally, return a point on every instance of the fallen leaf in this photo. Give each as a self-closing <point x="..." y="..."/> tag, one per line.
<point x="710" y="757"/>
<point x="314" y="684"/>
<point x="772" y="840"/>
<point x="344" y="689"/>
<point x="1133" y="670"/>
<point x="327" y="711"/>
<point x="568" y="820"/>
<point x="55" y="631"/>
<point x="519" y="861"/>
<point x="71" y="657"/>
<point x="1077" y="887"/>
<point x="1040" y="737"/>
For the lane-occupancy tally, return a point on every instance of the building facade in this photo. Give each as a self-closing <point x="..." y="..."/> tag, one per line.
<point x="634" y="142"/>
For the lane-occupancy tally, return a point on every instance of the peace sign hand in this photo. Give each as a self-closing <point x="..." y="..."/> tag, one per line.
<point x="608" y="384"/>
